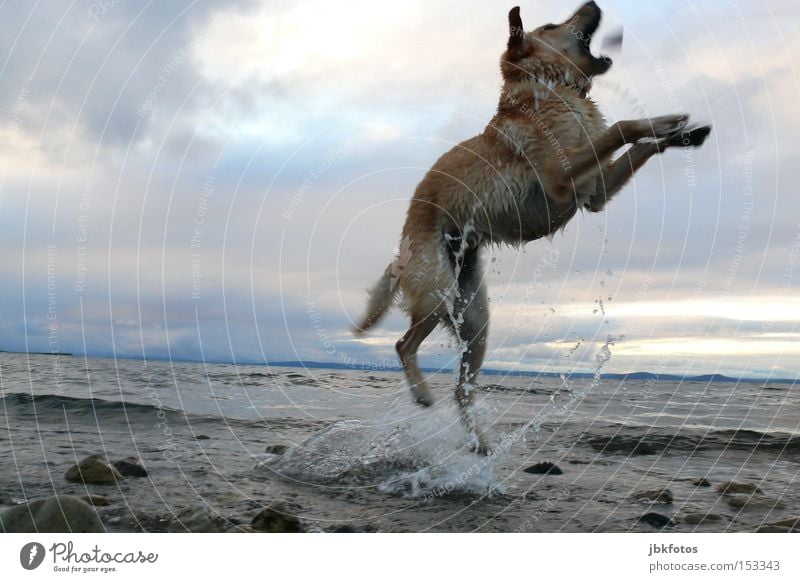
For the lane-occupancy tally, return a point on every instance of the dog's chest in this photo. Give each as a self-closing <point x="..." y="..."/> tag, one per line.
<point x="520" y="212"/>
<point x="551" y="133"/>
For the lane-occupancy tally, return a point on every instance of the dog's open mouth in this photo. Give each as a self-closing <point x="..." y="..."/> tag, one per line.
<point x="586" y="21"/>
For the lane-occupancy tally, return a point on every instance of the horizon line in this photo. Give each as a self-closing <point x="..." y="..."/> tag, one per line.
<point x="642" y="374"/>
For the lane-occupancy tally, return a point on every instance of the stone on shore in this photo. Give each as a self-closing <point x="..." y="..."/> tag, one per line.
<point x="202" y="520"/>
<point x="545" y="468"/>
<point x="276" y="449"/>
<point x="96" y="500"/>
<point x="131" y="467"/>
<point x="276" y="518"/>
<point x="754" y="501"/>
<point x="702" y="482"/>
<point x="701" y="518"/>
<point x="60" y="514"/>
<point x="93" y="470"/>
<point x="656" y="520"/>
<point x="349" y="528"/>
<point x="732" y="487"/>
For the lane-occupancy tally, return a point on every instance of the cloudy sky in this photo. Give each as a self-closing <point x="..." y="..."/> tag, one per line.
<point x="224" y="180"/>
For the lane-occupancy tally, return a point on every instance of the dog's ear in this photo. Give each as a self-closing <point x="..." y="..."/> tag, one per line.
<point x="516" y="34"/>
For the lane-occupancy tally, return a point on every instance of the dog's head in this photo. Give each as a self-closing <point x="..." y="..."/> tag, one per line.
<point x="554" y="52"/>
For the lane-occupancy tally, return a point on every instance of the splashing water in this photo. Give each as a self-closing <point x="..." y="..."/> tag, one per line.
<point x="557" y="407"/>
<point x="409" y="451"/>
<point x="412" y="451"/>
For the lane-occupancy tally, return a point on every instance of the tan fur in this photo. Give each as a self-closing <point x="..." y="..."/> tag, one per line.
<point x="546" y="153"/>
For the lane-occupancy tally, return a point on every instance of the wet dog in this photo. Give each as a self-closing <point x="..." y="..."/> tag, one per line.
<point x="546" y="153"/>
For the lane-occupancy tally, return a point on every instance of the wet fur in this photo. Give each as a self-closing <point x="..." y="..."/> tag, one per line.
<point x="546" y="153"/>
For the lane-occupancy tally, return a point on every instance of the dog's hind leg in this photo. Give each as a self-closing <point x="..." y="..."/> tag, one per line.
<point x="470" y="326"/>
<point x="422" y="324"/>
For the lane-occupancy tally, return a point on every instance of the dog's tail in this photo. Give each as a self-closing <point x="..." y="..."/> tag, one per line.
<point x="381" y="297"/>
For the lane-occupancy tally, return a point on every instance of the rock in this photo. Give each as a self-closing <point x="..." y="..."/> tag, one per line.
<point x="60" y="514"/>
<point x="131" y="467"/>
<point x="347" y="528"/>
<point x="754" y="501"/>
<point x="734" y="487"/>
<point x="202" y="520"/>
<point x="656" y="520"/>
<point x="276" y="449"/>
<point x="96" y="500"/>
<point x="790" y="525"/>
<point x="276" y="518"/>
<point x="202" y="437"/>
<point x="545" y="468"/>
<point x="701" y="518"/>
<point x="93" y="469"/>
<point x="657" y="496"/>
<point x="702" y="483"/>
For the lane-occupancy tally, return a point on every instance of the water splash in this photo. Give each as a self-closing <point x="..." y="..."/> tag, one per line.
<point x="415" y="452"/>
<point x="601" y="306"/>
<point x="409" y="451"/>
<point x="557" y="407"/>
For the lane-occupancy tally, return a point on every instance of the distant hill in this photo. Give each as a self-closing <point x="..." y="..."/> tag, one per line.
<point x="642" y="376"/>
<point x="66" y="354"/>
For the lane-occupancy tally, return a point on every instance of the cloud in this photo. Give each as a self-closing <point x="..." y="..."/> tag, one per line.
<point x="314" y="122"/>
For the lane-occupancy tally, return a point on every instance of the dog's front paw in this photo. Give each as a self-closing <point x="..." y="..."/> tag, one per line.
<point x="665" y="126"/>
<point x="689" y="138"/>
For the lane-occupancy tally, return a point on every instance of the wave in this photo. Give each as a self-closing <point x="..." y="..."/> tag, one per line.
<point x="53" y="407"/>
<point x="47" y="403"/>
<point x="649" y="441"/>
